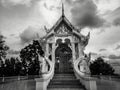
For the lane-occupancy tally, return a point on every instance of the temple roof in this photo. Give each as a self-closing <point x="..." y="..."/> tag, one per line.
<point x="61" y="20"/>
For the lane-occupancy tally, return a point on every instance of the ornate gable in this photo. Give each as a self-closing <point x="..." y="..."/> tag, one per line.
<point x="62" y="21"/>
<point x="63" y="28"/>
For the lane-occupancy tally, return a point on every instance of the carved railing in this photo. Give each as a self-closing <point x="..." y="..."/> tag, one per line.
<point x="84" y="77"/>
<point x="95" y="82"/>
<point x="47" y="75"/>
<point x="50" y="71"/>
<point x="77" y="68"/>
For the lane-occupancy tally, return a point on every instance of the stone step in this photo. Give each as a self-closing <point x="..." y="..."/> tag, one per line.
<point x="65" y="86"/>
<point x="65" y="89"/>
<point x="64" y="77"/>
<point x="65" y="82"/>
<point x="67" y="74"/>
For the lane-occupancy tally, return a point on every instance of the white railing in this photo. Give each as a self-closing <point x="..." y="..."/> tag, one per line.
<point x="42" y="83"/>
<point x="50" y="72"/>
<point x="85" y="79"/>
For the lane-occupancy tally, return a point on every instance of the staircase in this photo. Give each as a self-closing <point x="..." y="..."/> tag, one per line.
<point x="65" y="82"/>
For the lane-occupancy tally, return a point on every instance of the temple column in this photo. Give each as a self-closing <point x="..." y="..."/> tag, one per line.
<point x="53" y="52"/>
<point x="80" y="50"/>
<point x="73" y="51"/>
<point x="47" y="50"/>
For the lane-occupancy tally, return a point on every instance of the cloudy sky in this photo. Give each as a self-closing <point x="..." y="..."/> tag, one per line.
<point x="24" y="20"/>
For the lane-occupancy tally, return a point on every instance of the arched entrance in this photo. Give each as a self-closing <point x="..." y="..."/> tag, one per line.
<point x="63" y="58"/>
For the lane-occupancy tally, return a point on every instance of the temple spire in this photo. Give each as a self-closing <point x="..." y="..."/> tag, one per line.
<point x="63" y="9"/>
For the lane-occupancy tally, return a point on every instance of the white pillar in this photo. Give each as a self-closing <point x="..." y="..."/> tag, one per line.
<point x="41" y="84"/>
<point x="73" y="51"/>
<point x="47" y="50"/>
<point x="53" y="52"/>
<point x="80" y="50"/>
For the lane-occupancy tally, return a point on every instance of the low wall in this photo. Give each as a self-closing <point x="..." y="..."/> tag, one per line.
<point x="23" y="83"/>
<point x="88" y="82"/>
<point x="19" y="85"/>
<point x="103" y="84"/>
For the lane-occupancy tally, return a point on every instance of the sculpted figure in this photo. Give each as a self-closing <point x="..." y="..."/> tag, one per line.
<point x="42" y="63"/>
<point x="84" y="64"/>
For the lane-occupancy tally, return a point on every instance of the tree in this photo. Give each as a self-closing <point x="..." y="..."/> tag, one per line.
<point x="99" y="67"/>
<point x="3" y="53"/>
<point x="31" y="51"/>
<point x="3" y="48"/>
<point x="18" y="67"/>
<point x="29" y="56"/>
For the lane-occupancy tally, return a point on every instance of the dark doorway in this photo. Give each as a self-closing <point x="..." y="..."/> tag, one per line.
<point x="63" y="56"/>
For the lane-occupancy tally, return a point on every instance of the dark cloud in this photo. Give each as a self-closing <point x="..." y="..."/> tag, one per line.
<point x="113" y="57"/>
<point x="84" y="13"/>
<point x="14" y="8"/>
<point x="15" y="11"/>
<point x="118" y="47"/>
<point x="31" y="33"/>
<point x="28" y="35"/>
<point x="101" y="50"/>
<point x="69" y="2"/>
<point x="116" y="21"/>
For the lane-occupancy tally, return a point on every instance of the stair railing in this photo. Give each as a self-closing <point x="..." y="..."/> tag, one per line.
<point x="76" y="66"/>
<point x="50" y="70"/>
<point x="47" y="70"/>
<point x="84" y="77"/>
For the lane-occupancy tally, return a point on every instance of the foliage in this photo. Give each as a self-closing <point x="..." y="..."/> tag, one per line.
<point x="28" y="65"/>
<point x="3" y="47"/>
<point x="29" y="57"/>
<point x="99" y="67"/>
<point x="11" y="67"/>
<point x="31" y="51"/>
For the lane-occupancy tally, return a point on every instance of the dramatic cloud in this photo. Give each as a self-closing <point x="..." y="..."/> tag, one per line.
<point x="107" y="5"/>
<point x="30" y="34"/>
<point x="84" y="13"/>
<point x="118" y="47"/>
<point x="116" y="21"/>
<point x="114" y="57"/>
<point x="113" y="17"/>
<point x="52" y="4"/>
<point x="17" y="2"/>
<point x="101" y="50"/>
<point x="16" y="15"/>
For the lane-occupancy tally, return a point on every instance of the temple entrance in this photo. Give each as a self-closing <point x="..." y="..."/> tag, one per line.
<point x="63" y="56"/>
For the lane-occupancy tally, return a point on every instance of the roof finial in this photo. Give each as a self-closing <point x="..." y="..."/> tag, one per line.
<point x="62" y="8"/>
